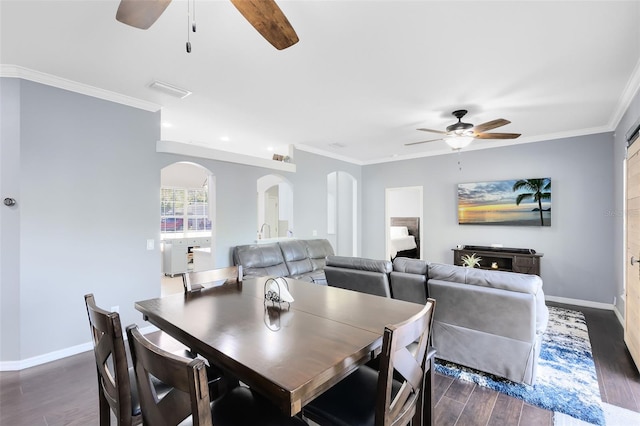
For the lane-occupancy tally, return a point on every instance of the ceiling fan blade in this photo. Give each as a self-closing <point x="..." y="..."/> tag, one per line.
<point x="417" y="143"/>
<point x="490" y="125"/>
<point x="267" y="18"/>
<point x="141" y="13"/>
<point x="434" y="131"/>
<point x="497" y="135"/>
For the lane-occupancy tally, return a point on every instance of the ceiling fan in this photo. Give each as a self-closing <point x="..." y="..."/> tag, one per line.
<point x="264" y="15"/>
<point x="460" y="135"/>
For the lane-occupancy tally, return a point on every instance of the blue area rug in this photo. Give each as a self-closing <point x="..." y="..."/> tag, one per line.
<point x="567" y="381"/>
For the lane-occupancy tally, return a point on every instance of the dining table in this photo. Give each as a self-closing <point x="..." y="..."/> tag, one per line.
<point x="288" y="352"/>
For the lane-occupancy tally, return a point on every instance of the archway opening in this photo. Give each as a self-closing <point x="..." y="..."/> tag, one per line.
<point x="187" y="223"/>
<point x="275" y="208"/>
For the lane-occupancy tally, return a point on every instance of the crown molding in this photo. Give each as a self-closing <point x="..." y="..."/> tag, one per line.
<point x="15" y="71"/>
<point x="200" y="151"/>
<point x="627" y="96"/>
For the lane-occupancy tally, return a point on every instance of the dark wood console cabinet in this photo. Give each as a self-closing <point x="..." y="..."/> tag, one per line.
<point x="524" y="263"/>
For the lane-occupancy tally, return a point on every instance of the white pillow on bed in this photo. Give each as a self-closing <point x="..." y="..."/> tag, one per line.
<point x="399" y="231"/>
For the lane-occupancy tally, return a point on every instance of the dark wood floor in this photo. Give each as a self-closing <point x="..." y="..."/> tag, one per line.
<point x="462" y="403"/>
<point x="64" y="392"/>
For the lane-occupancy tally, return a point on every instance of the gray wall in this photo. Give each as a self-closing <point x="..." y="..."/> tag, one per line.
<point x="84" y="208"/>
<point x="87" y="179"/>
<point x="236" y="190"/>
<point x="578" y="248"/>
<point x="9" y="219"/>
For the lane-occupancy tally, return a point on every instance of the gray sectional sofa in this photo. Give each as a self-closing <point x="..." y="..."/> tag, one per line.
<point x="299" y="259"/>
<point x="492" y="321"/>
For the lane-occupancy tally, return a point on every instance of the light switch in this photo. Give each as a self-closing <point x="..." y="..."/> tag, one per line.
<point x="150" y="244"/>
<point x="314" y="233"/>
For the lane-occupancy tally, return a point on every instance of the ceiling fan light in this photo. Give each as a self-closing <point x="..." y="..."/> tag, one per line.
<point x="458" y="142"/>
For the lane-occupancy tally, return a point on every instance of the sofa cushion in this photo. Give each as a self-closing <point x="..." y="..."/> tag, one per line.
<point x="512" y="281"/>
<point x="408" y="280"/>
<point x="360" y="263"/>
<point x="317" y="251"/>
<point x="410" y="266"/>
<point x="259" y="260"/>
<point x="295" y="256"/>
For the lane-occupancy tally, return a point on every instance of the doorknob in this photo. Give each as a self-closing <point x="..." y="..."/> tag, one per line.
<point x="634" y="260"/>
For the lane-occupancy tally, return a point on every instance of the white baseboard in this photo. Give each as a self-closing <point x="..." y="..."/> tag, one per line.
<point x="579" y="302"/>
<point x="56" y="355"/>
<point x="619" y="315"/>
<point x="588" y="304"/>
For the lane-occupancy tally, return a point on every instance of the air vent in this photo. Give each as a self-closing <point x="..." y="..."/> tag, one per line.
<point x="169" y="89"/>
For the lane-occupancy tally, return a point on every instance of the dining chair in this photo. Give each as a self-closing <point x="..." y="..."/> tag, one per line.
<point x="399" y="393"/>
<point x="189" y="393"/>
<point x="195" y="281"/>
<point x="116" y="391"/>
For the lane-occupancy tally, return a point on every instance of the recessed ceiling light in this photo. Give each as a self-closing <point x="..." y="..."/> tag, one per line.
<point x="169" y="89"/>
<point x="270" y="148"/>
<point x="225" y="138"/>
<point x="166" y="124"/>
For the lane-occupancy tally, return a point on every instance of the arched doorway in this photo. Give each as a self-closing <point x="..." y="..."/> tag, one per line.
<point x="187" y="223"/>
<point x="275" y="207"/>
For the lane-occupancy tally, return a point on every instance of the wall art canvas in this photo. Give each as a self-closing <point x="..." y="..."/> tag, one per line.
<point x="518" y="202"/>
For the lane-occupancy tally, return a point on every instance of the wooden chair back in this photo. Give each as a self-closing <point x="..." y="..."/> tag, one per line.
<point x="187" y="377"/>
<point x="398" y="356"/>
<point x="114" y="388"/>
<point x="195" y="281"/>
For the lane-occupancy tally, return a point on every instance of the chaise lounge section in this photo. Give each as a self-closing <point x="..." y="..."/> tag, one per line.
<point x="491" y="321"/>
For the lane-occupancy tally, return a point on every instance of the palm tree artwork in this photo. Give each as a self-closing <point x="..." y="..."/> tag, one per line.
<point x="512" y="202"/>
<point x="539" y="190"/>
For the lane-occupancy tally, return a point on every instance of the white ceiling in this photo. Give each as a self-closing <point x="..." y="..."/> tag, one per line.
<point x="364" y="75"/>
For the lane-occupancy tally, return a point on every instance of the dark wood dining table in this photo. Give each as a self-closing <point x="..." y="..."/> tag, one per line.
<point x="288" y="353"/>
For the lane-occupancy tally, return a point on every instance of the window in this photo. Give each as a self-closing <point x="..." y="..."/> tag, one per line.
<point x="183" y="206"/>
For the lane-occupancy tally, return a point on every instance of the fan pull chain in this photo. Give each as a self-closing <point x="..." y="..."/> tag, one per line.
<point x="188" y="22"/>
<point x="193" y="23"/>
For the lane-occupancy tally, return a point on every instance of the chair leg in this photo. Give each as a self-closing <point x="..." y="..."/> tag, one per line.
<point x="104" y="408"/>
<point x="424" y="407"/>
<point x="427" y="397"/>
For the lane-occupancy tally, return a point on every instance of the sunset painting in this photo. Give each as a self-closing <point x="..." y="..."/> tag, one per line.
<point x="519" y="202"/>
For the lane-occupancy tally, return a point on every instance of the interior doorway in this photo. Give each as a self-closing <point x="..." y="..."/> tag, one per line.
<point x="275" y="208"/>
<point x="271" y="214"/>
<point x="632" y="280"/>
<point x="187" y="222"/>
<point x="404" y="222"/>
